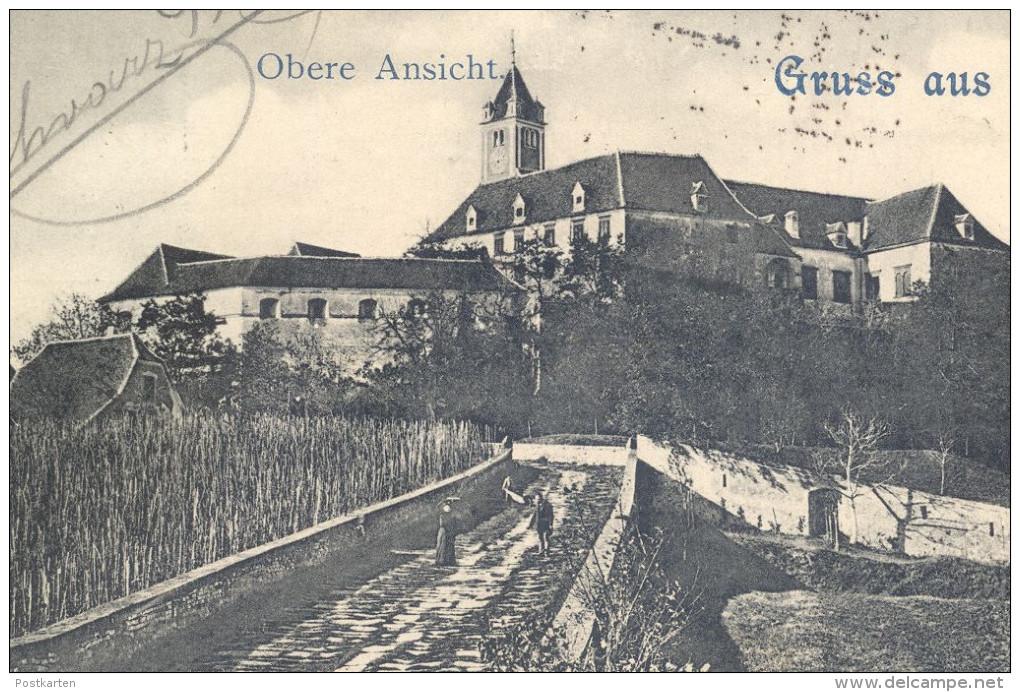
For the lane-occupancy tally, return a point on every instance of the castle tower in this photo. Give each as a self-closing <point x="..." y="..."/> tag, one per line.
<point x="513" y="129"/>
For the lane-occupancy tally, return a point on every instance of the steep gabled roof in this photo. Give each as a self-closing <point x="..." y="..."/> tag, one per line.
<point x="299" y="271"/>
<point x="630" y="180"/>
<point x="546" y="196"/>
<point x="308" y="250"/>
<point x="513" y="87"/>
<point x="663" y="182"/>
<point x="74" y="380"/>
<point x="815" y="210"/>
<point x="925" y="214"/>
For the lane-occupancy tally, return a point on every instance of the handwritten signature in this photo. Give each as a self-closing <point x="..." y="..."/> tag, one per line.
<point x="33" y="149"/>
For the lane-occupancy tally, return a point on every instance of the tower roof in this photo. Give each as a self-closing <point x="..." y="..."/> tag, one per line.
<point x="514" y="89"/>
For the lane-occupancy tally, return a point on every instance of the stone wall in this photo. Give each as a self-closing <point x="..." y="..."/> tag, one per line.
<point x="99" y="638"/>
<point x="775" y="498"/>
<point x="571" y="454"/>
<point x="575" y="618"/>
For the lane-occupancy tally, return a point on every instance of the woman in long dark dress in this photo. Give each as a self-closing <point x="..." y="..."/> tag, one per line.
<point x="446" y="539"/>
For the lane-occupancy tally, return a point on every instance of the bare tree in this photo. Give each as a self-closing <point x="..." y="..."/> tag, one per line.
<point x="857" y="438"/>
<point x="945" y="442"/>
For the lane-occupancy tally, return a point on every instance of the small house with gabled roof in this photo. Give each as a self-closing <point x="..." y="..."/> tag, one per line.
<point x="83" y="379"/>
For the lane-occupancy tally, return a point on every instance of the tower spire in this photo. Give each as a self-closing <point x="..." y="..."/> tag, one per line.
<point x="513" y="50"/>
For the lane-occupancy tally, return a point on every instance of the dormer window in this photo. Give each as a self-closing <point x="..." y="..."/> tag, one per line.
<point x="836" y="232"/>
<point x="488" y="111"/>
<point x="699" y="197"/>
<point x="471" y="219"/>
<point x="578" y="197"/>
<point x="792" y="223"/>
<point x="519" y="210"/>
<point x="965" y="226"/>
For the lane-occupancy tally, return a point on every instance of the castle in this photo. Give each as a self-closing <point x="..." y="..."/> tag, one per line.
<point x="833" y="249"/>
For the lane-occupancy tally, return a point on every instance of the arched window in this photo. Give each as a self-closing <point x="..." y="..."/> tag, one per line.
<point x="367" y="309"/>
<point x="777" y="274"/>
<point x="269" y="308"/>
<point x="416" y="307"/>
<point x="317" y="309"/>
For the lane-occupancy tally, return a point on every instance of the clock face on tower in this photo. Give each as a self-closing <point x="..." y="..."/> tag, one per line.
<point x="498" y="160"/>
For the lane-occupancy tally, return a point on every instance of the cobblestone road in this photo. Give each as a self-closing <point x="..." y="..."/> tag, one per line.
<point x="421" y="617"/>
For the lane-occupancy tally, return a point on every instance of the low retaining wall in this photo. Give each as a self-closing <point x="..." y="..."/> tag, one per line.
<point x="575" y="619"/>
<point x="775" y="498"/>
<point x="103" y="637"/>
<point x="573" y="454"/>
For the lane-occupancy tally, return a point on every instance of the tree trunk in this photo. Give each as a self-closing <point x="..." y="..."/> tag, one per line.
<point x="853" y="531"/>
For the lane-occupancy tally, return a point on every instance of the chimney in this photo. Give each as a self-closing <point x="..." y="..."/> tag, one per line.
<point x="853" y="232"/>
<point x="792" y="224"/>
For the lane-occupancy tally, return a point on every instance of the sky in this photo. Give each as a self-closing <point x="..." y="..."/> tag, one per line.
<point x="214" y="156"/>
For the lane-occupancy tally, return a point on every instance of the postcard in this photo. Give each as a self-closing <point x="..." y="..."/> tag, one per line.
<point x="506" y="341"/>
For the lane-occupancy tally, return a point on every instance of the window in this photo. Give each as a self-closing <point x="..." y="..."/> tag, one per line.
<point x="924" y="511"/>
<point x="498" y="138"/>
<point x="836" y="233"/>
<point x="902" y="281"/>
<point x="964" y="226"/>
<point x="530" y="138"/>
<point x="367" y="309"/>
<point x="604" y="229"/>
<point x="724" y="480"/>
<point x="519" y="209"/>
<point x="576" y="229"/>
<point x="269" y="308"/>
<point x="841" y="287"/>
<point x="317" y="309"/>
<point x="550" y="235"/>
<point x="498" y="247"/>
<point x="699" y="200"/>
<point x="792" y="223"/>
<point x="777" y="273"/>
<point x="416" y="307"/>
<point x="518" y="240"/>
<point x="809" y="282"/>
<point x="578" y="197"/>
<point x="472" y="219"/>
<point x="148" y="388"/>
<point x="871" y="287"/>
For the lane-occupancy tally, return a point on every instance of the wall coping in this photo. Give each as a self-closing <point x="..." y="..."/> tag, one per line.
<point x="567" y="453"/>
<point x="182" y="582"/>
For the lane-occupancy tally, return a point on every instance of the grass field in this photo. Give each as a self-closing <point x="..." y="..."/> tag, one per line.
<point x="861" y="570"/>
<point x="101" y="511"/>
<point x="822" y="632"/>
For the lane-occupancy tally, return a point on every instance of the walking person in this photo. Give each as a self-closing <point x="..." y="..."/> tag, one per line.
<point x="446" y="539"/>
<point x="542" y="520"/>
